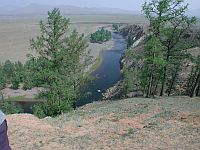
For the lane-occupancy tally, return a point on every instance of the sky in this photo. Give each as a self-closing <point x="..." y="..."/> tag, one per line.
<point x="122" y="4"/>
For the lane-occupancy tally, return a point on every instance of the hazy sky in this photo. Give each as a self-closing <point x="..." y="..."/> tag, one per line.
<point x="123" y="4"/>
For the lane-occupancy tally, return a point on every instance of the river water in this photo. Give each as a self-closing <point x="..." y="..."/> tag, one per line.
<point x="108" y="73"/>
<point x="106" y="76"/>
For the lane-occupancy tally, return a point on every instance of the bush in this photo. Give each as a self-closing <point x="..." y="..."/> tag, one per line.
<point x="9" y="107"/>
<point x="11" y="73"/>
<point x="116" y="27"/>
<point x="46" y="109"/>
<point x="2" y="79"/>
<point x="15" y="82"/>
<point x="38" y="110"/>
<point x="54" y="105"/>
<point x="27" y="84"/>
<point x="9" y="69"/>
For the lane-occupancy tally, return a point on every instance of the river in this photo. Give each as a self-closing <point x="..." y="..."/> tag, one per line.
<point x="108" y="73"/>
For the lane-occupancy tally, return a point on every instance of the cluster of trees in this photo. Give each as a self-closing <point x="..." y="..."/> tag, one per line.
<point x="100" y="36"/>
<point x="16" y="73"/>
<point x="12" y="73"/>
<point x="116" y="27"/>
<point x="58" y="67"/>
<point x="165" y="50"/>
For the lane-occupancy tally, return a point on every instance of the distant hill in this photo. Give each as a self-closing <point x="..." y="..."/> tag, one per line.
<point x="35" y="9"/>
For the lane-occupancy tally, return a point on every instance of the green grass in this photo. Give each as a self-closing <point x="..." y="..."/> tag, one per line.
<point x="96" y="64"/>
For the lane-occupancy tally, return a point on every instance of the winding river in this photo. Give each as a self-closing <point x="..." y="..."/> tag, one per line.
<point x="107" y="74"/>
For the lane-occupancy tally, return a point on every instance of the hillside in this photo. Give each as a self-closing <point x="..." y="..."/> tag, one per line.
<point x="154" y="124"/>
<point x="36" y="9"/>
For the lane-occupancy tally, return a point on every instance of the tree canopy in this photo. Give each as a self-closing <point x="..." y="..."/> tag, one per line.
<point x="59" y="66"/>
<point x="100" y="36"/>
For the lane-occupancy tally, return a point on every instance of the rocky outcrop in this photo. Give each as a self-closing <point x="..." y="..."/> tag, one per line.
<point x="138" y="47"/>
<point x="132" y="34"/>
<point x="113" y="92"/>
<point x="137" y="35"/>
<point x="133" y="31"/>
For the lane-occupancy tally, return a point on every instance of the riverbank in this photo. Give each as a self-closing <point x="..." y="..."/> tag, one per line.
<point x="139" y="123"/>
<point x="20" y="94"/>
<point x="96" y="52"/>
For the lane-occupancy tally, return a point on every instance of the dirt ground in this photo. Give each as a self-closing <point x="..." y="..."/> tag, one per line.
<point x="133" y="124"/>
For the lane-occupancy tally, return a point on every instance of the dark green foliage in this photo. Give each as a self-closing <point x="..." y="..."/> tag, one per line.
<point x="39" y="110"/>
<point x="131" y="82"/>
<point x="153" y="66"/>
<point x="100" y="36"/>
<point x="9" y="69"/>
<point x="2" y="78"/>
<point x="32" y="74"/>
<point x="9" y="107"/>
<point x="15" y="82"/>
<point x="165" y="48"/>
<point x="11" y="73"/>
<point x="59" y="68"/>
<point x="116" y="27"/>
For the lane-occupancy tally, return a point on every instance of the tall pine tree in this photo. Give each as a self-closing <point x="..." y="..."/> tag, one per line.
<point x="60" y="63"/>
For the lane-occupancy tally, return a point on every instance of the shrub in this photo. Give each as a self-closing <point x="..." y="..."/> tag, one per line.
<point x="15" y="82"/>
<point x="38" y="110"/>
<point x="9" y="107"/>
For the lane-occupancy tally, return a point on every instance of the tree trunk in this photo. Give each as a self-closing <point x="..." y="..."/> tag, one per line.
<point x="194" y="88"/>
<point x="189" y="82"/>
<point x="149" y="86"/>
<point x="172" y="83"/>
<point x="163" y="81"/>
<point x="198" y="88"/>
<point x="74" y="105"/>
<point x="165" y="71"/>
<point x="155" y="89"/>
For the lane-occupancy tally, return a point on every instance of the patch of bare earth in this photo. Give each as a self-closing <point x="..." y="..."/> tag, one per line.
<point x="143" y="124"/>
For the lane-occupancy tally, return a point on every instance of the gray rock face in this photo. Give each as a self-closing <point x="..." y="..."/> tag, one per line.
<point x="132" y="32"/>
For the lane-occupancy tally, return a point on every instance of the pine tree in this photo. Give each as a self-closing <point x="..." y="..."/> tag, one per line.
<point x="59" y="68"/>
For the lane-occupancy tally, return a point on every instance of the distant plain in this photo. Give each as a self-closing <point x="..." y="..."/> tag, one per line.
<point x="16" y="31"/>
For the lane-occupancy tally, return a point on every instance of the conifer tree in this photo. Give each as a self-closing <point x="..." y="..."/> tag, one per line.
<point x="59" y="65"/>
<point x="168" y="24"/>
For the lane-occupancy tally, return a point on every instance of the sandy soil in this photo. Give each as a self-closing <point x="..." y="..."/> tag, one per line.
<point x="142" y="124"/>
<point x="28" y="94"/>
